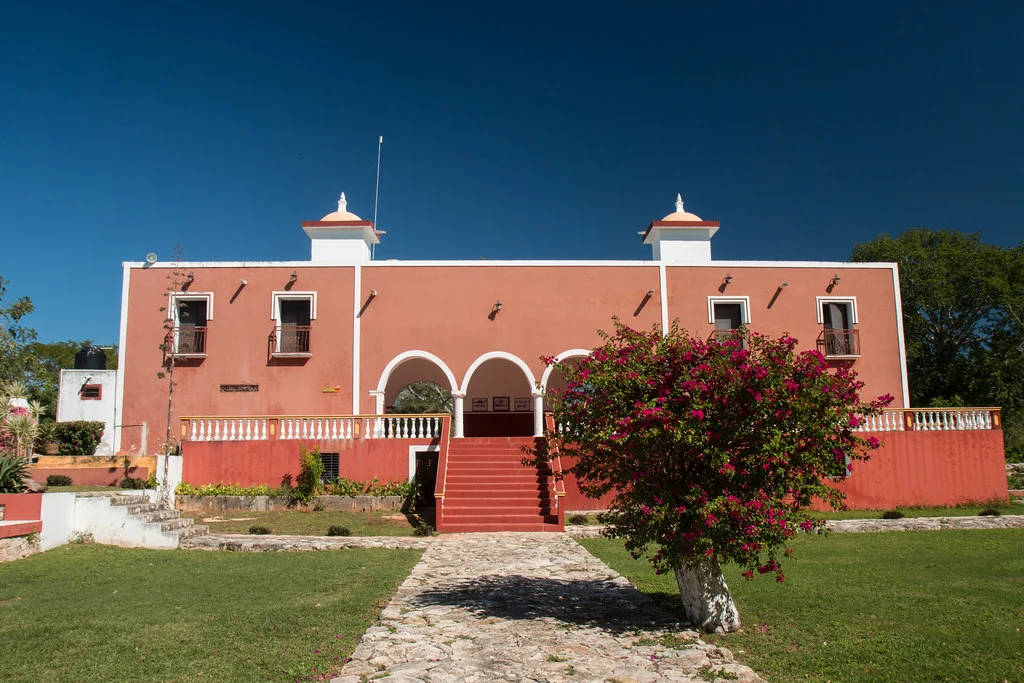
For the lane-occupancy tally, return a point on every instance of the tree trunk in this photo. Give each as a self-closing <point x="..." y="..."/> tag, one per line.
<point x="706" y="600"/>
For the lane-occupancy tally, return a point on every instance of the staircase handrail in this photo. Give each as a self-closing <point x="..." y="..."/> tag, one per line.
<point x="441" y="482"/>
<point x="555" y="462"/>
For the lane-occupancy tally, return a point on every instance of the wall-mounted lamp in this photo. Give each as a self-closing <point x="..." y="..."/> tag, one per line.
<point x="294" y="276"/>
<point x="242" y="283"/>
<point x="834" y="281"/>
<point x="728" y="278"/>
<point x="497" y="306"/>
<point x="650" y="292"/>
<point x="373" y="293"/>
<point x="784" y="284"/>
<point x="189" y="278"/>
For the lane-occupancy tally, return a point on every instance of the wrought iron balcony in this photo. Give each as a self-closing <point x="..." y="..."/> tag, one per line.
<point x="185" y="341"/>
<point x="738" y="335"/>
<point x="839" y="343"/>
<point x="290" y="340"/>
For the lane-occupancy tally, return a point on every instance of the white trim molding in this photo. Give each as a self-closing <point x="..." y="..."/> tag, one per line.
<point x="504" y="355"/>
<point x="564" y="355"/>
<point x="277" y="297"/>
<point x="413" y="450"/>
<point x="357" y="292"/>
<point x="174" y="297"/>
<point x="423" y="355"/>
<point x="899" y="335"/>
<point x="850" y="301"/>
<point x="743" y="301"/>
<point x="126" y="274"/>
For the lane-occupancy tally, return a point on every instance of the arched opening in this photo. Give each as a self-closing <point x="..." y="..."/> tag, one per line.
<point x="499" y="392"/>
<point x="554" y="378"/>
<point x="415" y="369"/>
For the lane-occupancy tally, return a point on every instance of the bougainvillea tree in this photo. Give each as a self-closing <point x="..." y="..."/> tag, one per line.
<point x="714" y="449"/>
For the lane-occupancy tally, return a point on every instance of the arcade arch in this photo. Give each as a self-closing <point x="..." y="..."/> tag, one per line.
<point x="488" y="404"/>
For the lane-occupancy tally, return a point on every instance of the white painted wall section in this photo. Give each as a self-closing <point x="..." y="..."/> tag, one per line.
<point x="71" y="406"/>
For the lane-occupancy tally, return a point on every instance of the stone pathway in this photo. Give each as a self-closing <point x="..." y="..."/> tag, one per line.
<point x="866" y="525"/>
<point x="527" y="607"/>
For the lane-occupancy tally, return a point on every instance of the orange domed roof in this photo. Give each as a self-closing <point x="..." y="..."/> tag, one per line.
<point x="679" y="215"/>
<point x="342" y="214"/>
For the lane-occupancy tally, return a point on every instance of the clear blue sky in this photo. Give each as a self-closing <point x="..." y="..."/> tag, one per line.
<point x="542" y="131"/>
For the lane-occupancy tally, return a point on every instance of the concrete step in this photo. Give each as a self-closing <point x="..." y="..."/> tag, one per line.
<point x="129" y="499"/>
<point x="193" y="531"/>
<point x="176" y="524"/>
<point x="159" y="515"/>
<point x="478" y="527"/>
<point x="142" y="508"/>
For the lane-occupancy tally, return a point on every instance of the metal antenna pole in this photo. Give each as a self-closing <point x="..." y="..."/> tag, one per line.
<point x="376" y="193"/>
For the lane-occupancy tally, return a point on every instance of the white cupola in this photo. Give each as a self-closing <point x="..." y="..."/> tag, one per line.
<point x="341" y="236"/>
<point x="681" y="236"/>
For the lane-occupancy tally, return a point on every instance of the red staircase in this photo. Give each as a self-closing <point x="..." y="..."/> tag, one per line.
<point x="487" y="488"/>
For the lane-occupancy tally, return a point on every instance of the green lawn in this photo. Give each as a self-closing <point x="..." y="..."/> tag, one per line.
<point x="306" y="522"/>
<point x="923" y="605"/>
<point x="958" y="511"/>
<point x="96" y="613"/>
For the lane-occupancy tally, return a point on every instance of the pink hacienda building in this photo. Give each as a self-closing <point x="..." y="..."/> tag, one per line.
<point x="272" y="355"/>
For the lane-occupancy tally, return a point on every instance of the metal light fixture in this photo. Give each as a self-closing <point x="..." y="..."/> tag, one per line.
<point x="497" y="305"/>
<point x="189" y="278"/>
<point x="373" y="293"/>
<point x="728" y="278"/>
<point x="835" y="280"/>
<point x="242" y="283"/>
<point x="784" y="284"/>
<point x="650" y="292"/>
<point x="294" y="276"/>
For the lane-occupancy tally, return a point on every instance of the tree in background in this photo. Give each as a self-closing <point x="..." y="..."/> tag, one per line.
<point x="713" y="450"/>
<point x="963" y="316"/>
<point x="14" y="336"/>
<point x="423" y="397"/>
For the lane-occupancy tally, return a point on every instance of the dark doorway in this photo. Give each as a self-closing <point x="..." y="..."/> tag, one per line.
<point x="426" y="475"/>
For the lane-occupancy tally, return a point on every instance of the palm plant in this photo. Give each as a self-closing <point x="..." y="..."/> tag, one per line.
<point x="13" y="473"/>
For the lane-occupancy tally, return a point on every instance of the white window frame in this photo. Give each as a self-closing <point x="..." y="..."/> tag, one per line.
<point x="278" y="297"/>
<point x="174" y="297"/>
<point x="849" y="301"/>
<point x="743" y="301"/>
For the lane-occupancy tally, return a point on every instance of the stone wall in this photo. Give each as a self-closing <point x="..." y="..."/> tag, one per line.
<point x="18" y="547"/>
<point x="268" y="503"/>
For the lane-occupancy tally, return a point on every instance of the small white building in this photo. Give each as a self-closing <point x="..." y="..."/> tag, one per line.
<point x="89" y="395"/>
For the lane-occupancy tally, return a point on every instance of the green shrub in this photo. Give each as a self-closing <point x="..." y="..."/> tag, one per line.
<point x="1015" y="480"/>
<point x="311" y="471"/>
<point x="259" y="530"/>
<point x="151" y="482"/>
<point x="131" y="483"/>
<point x="578" y="520"/>
<point x="1015" y="453"/>
<point x="319" y="506"/>
<point x="335" y="530"/>
<point x="892" y="514"/>
<point x="219" y="489"/>
<point x="13" y="473"/>
<point x="80" y="437"/>
<point x="58" y="480"/>
<point x="989" y="512"/>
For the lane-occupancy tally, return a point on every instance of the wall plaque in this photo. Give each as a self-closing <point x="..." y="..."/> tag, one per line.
<point x="239" y="388"/>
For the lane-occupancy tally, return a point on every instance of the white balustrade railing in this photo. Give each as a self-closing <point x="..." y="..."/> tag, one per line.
<point x="931" y="420"/>
<point x="311" y="428"/>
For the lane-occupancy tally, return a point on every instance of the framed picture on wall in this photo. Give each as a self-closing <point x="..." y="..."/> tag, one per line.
<point x="522" y="405"/>
<point x="500" y="403"/>
<point x="479" y="404"/>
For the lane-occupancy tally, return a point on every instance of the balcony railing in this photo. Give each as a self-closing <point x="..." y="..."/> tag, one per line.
<point x="932" y="420"/>
<point x="839" y="343"/>
<point x="290" y="340"/>
<point x="186" y="342"/>
<point x="738" y="335"/>
<point x="310" y="427"/>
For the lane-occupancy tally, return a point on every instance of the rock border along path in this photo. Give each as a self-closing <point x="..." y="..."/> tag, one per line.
<point x="527" y="607"/>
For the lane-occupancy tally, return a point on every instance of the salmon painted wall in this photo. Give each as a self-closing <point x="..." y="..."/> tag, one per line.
<point x="267" y="462"/>
<point x="444" y="310"/>
<point x="910" y="469"/>
<point x="545" y="310"/>
<point x="794" y="310"/>
<point x="90" y="476"/>
<point x="237" y="345"/>
<point x="929" y="468"/>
